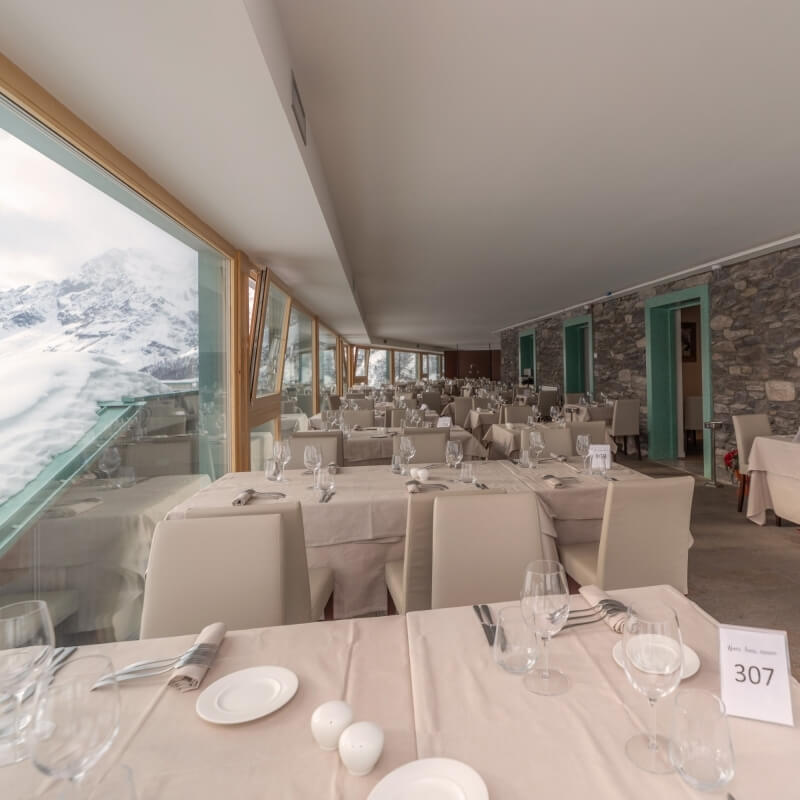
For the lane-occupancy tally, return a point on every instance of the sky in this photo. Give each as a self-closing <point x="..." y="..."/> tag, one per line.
<point x="52" y="222"/>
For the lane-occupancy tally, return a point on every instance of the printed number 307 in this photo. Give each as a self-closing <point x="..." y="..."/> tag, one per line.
<point x="753" y="674"/>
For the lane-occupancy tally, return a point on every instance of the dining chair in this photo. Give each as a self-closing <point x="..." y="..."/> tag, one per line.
<point x="573" y="398"/>
<point x="61" y="603"/>
<point x="481" y="545"/>
<point x="396" y="417"/>
<point x="334" y="402"/>
<point x="461" y="407"/>
<point x="408" y="401"/>
<point x="514" y="414"/>
<point x="596" y="431"/>
<point x="363" y="403"/>
<point x="747" y="427"/>
<point x="308" y="590"/>
<point x="433" y="400"/>
<point x="200" y="571"/>
<point x="644" y="539"/>
<point x="363" y="418"/>
<point x="329" y="443"/>
<point x="430" y="444"/>
<point x="408" y="580"/>
<point x="557" y="441"/>
<point x="625" y="422"/>
<point x="547" y="399"/>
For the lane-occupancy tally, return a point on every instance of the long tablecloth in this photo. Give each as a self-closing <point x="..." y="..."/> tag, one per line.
<point x="578" y="413"/>
<point x="506" y="438"/>
<point x="774" y="469"/>
<point x="429" y="680"/>
<point x="369" y="446"/>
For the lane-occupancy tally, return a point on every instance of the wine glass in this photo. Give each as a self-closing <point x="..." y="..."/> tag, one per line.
<point x="283" y="455"/>
<point x="26" y="648"/>
<point x="109" y="462"/>
<point x="454" y="453"/>
<point x="554" y="413"/>
<point x="545" y="607"/>
<point x="312" y="459"/>
<point x="652" y="656"/>
<point x="582" y="442"/>
<point x="408" y="451"/>
<point x="74" y="726"/>
<point x="536" y="445"/>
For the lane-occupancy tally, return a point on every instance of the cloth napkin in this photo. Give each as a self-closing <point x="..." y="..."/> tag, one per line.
<point x="554" y="483"/>
<point x="243" y="498"/>
<point x="593" y="595"/>
<point x="191" y="676"/>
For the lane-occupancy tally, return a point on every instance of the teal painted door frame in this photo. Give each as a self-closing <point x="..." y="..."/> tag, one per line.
<point x="575" y="333"/>
<point x="659" y="321"/>
<point x="522" y="334"/>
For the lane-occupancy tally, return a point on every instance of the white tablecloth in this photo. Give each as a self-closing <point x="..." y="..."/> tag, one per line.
<point x="578" y="413"/>
<point x="369" y="446"/>
<point x="774" y="469"/>
<point x="506" y="437"/>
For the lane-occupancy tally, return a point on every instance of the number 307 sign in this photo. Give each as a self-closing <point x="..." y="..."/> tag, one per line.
<point x="755" y="674"/>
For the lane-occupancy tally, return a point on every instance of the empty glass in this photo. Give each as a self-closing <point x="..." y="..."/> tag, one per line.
<point x="652" y="656"/>
<point x="272" y="469"/>
<point x="700" y="748"/>
<point x="312" y="458"/>
<point x="407" y="450"/>
<point x="554" y="413"/>
<point x="536" y="445"/>
<point x="283" y="455"/>
<point x="327" y="478"/>
<point x="454" y="454"/>
<point x="467" y="476"/>
<point x="582" y="443"/>
<point x="73" y="725"/>
<point x="397" y="464"/>
<point x="26" y="648"/>
<point x="109" y="462"/>
<point x="545" y="607"/>
<point x="515" y="647"/>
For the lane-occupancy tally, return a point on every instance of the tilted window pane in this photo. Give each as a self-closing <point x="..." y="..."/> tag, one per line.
<point x="378" y="367"/>
<point x="345" y="371"/>
<point x="251" y="298"/>
<point x="297" y="395"/>
<point x="405" y="366"/>
<point x="271" y="341"/>
<point x="327" y="360"/>
<point x="114" y="334"/>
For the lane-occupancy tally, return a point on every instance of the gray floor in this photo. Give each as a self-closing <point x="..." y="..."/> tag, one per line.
<point x="739" y="572"/>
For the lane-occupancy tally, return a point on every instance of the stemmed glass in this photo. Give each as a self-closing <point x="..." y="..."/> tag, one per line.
<point x="74" y="726"/>
<point x="545" y="607"/>
<point x="312" y="459"/>
<point x="582" y="442"/>
<point x="283" y="455"/>
<point x="407" y="451"/>
<point x="536" y="445"/>
<point x="454" y="453"/>
<point x="652" y="656"/>
<point x="26" y="648"/>
<point x="109" y="462"/>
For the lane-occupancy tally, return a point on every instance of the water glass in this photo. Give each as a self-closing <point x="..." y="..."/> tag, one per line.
<point x="536" y="445"/>
<point x="327" y="478"/>
<point x="272" y="469"/>
<point x="397" y="464"/>
<point x="515" y="647"/>
<point x="467" y="475"/>
<point x="454" y="453"/>
<point x="582" y="443"/>
<point x="524" y="457"/>
<point x="700" y="748"/>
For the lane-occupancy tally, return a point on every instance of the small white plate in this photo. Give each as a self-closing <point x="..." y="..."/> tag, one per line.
<point x="691" y="661"/>
<point x="246" y="695"/>
<point x="431" y="779"/>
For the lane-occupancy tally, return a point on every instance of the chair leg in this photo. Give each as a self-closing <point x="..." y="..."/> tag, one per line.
<point x="778" y="521"/>
<point x="391" y="609"/>
<point x="328" y="613"/>
<point x="638" y="446"/>
<point x="740" y="494"/>
<point x="625" y="445"/>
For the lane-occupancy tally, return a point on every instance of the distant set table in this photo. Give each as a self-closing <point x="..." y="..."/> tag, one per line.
<point x="774" y="469"/>
<point x="506" y="437"/>
<point x="578" y="413"/>
<point x="367" y="446"/>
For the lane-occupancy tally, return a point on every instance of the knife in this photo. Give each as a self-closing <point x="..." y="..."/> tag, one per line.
<point x="488" y="614"/>
<point x="487" y="629"/>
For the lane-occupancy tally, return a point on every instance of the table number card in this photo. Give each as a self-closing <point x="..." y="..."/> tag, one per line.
<point x="755" y="674"/>
<point x="600" y="455"/>
<point x="444" y="422"/>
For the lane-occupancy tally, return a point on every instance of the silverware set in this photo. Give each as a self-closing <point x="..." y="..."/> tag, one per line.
<point x="326" y="496"/>
<point x="484" y="614"/>
<point x="201" y="654"/>
<point x="596" y="613"/>
<point x="479" y="484"/>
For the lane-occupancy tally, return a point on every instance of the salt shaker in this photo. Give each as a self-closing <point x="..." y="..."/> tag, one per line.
<point x="328" y="721"/>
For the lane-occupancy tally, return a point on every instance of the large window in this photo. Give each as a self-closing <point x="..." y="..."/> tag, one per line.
<point x="431" y="366"/>
<point x="345" y="369"/>
<point x="327" y="360"/>
<point x="114" y="337"/>
<point x="297" y="366"/>
<point x="405" y="366"/>
<point x="361" y="363"/>
<point x="378" y="367"/>
<point x="277" y="302"/>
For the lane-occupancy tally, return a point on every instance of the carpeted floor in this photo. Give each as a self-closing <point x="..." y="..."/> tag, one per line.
<point x="739" y="572"/>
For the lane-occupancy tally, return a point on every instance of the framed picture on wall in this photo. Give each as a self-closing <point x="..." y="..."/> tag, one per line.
<point x="689" y="341"/>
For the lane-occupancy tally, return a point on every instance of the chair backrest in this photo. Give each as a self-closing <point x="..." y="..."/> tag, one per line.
<point x="573" y="398"/>
<point x="431" y="444"/>
<point x="365" y="418"/>
<point x="419" y="545"/>
<point x="595" y="430"/>
<point x="333" y="402"/>
<point x="747" y="427"/>
<point x="407" y="400"/>
<point x="693" y="413"/>
<point x="645" y="536"/>
<point x="511" y="413"/>
<point x="461" y="407"/>
<point x="547" y="398"/>
<point x="396" y="417"/>
<point x="433" y="400"/>
<point x="329" y="442"/>
<point x="206" y="570"/>
<point x="475" y="559"/>
<point x="363" y="403"/>
<point x="153" y="457"/>
<point x="297" y="592"/>
<point x="625" y="421"/>
<point x="557" y="441"/>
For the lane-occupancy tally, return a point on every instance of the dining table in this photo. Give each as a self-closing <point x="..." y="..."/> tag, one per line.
<point x="588" y="413"/>
<point x="774" y="469"/>
<point x="429" y="680"/>
<point x="369" y="446"/>
<point x="505" y="438"/>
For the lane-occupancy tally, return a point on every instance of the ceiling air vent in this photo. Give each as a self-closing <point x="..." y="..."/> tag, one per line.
<point x="299" y="111"/>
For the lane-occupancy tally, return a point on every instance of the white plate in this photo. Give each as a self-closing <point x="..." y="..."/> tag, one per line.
<point x="691" y="661"/>
<point x="431" y="779"/>
<point x="247" y="695"/>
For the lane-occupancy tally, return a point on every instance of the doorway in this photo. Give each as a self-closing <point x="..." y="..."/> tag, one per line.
<point x="527" y="357"/>
<point x="578" y="355"/>
<point x="679" y="377"/>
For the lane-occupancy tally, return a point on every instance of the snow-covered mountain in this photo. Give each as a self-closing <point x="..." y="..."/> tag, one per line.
<point x="122" y="304"/>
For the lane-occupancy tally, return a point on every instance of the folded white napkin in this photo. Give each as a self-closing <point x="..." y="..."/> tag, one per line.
<point x="593" y="595"/>
<point x="191" y="676"/>
<point x="555" y="483"/>
<point x="243" y="498"/>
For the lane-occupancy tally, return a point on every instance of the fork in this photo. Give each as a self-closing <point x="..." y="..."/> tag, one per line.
<point x="156" y="663"/>
<point x="609" y="606"/>
<point x="202" y="657"/>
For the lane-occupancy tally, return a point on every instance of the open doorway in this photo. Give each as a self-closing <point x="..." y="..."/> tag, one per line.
<point x="578" y="356"/>
<point x="679" y="379"/>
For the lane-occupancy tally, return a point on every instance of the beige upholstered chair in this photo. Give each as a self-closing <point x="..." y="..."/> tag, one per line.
<point x="625" y="422"/>
<point x="308" y="591"/>
<point x="557" y="441"/>
<point x="329" y="442"/>
<point x="692" y="417"/>
<point x="408" y="581"/>
<point x="365" y="418"/>
<point x="396" y="417"/>
<point x="206" y="570"/>
<point x="333" y="402"/>
<point x="747" y="427"/>
<point x="644" y="540"/>
<point x="461" y="407"/>
<point x="408" y="400"/>
<point x="363" y="403"/>
<point x="573" y="398"/>
<point x="513" y="413"/>
<point x="481" y="545"/>
<point x="595" y="430"/>
<point x="431" y="445"/>
<point x="433" y="400"/>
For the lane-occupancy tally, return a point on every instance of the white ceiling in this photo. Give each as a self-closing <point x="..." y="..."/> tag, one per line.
<point x="473" y="163"/>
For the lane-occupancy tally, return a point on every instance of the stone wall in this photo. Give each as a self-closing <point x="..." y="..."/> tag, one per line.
<point x="755" y="343"/>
